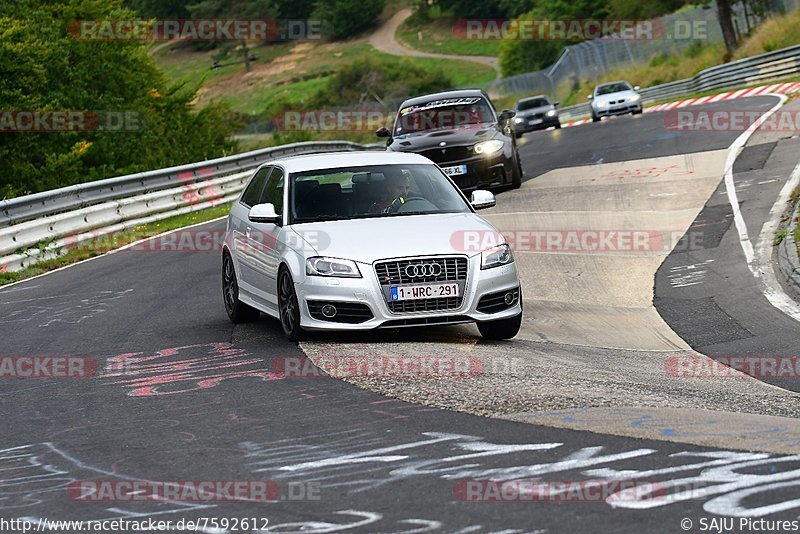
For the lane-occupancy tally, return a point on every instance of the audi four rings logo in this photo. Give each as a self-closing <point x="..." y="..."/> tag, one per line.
<point x="423" y="270"/>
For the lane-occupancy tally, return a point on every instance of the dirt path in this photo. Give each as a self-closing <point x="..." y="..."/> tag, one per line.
<point x="384" y="40"/>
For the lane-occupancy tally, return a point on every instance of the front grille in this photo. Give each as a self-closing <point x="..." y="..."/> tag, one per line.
<point x="448" y="154"/>
<point x="393" y="273"/>
<point x="495" y="302"/>
<point x="346" y="312"/>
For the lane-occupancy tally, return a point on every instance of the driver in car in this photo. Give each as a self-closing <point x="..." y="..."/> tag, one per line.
<point x="397" y="189"/>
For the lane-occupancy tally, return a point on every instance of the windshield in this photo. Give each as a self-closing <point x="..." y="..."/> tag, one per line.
<point x="532" y="103"/>
<point x="443" y="114"/>
<point x="373" y="191"/>
<point x="613" y="88"/>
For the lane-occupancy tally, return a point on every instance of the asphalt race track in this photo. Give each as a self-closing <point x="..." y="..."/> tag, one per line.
<point x="182" y="394"/>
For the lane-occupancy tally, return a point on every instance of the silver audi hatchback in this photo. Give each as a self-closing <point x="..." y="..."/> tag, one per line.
<point x="364" y="240"/>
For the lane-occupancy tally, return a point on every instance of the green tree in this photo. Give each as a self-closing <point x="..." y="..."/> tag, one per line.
<point x="344" y="19"/>
<point x="519" y="55"/>
<point x="42" y="67"/>
<point x="160" y="9"/>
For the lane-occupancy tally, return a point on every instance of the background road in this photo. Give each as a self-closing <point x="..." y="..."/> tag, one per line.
<point x="182" y="394"/>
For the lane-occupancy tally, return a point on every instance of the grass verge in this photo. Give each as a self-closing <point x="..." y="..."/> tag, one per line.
<point x="101" y="245"/>
<point x="437" y="36"/>
<point x="292" y="72"/>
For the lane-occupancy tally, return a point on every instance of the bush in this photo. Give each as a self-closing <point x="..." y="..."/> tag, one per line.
<point x="343" y="19"/>
<point x="368" y="79"/>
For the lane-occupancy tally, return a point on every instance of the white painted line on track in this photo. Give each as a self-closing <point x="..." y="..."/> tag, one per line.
<point x="762" y="261"/>
<point x="758" y="259"/>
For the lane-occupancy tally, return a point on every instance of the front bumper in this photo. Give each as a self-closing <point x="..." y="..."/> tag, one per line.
<point x="482" y="171"/>
<point x="547" y="122"/>
<point x="367" y="291"/>
<point x="618" y="110"/>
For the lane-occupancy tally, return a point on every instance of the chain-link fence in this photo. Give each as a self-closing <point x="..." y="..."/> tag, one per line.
<point x="672" y="34"/>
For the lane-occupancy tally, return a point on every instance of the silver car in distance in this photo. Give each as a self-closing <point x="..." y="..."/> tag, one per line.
<point x="364" y="240"/>
<point x="615" y="98"/>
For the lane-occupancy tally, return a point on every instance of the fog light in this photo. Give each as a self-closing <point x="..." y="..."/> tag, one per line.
<point x="510" y="298"/>
<point x="328" y="310"/>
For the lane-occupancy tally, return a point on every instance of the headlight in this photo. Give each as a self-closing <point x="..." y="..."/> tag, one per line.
<point x="633" y="98"/>
<point x="496" y="256"/>
<point x="321" y="266"/>
<point x="518" y="120"/>
<point x="551" y="113"/>
<point x="488" y="147"/>
<point x="601" y="105"/>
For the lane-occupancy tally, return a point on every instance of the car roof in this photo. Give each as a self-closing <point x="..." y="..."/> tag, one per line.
<point x="464" y="93"/>
<point x="332" y="160"/>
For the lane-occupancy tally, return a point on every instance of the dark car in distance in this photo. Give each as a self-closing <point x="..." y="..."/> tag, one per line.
<point x="535" y="113"/>
<point x="462" y="133"/>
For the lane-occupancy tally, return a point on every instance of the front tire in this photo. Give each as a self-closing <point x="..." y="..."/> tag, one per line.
<point x="500" y="329"/>
<point x="595" y="118"/>
<point x="238" y="311"/>
<point x="516" y="173"/>
<point x="288" y="307"/>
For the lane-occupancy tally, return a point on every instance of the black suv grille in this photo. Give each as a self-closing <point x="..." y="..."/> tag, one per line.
<point x="392" y="273"/>
<point x="448" y="154"/>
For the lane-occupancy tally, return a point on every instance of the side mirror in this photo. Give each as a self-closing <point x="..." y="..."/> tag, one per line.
<point x="589" y="97"/>
<point x="482" y="199"/>
<point x="383" y="131"/>
<point x="636" y="88"/>
<point x="264" y="213"/>
<point x="507" y="114"/>
<point x="556" y="103"/>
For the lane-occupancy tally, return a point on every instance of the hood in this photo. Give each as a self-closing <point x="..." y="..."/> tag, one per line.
<point x="451" y="137"/>
<point x="368" y="240"/>
<point x="614" y="97"/>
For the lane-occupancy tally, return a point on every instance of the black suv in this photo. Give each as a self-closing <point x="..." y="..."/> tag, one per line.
<point x="462" y="133"/>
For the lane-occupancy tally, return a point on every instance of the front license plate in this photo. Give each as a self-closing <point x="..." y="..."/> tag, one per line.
<point x="428" y="291"/>
<point x="455" y="171"/>
<point x="536" y="121"/>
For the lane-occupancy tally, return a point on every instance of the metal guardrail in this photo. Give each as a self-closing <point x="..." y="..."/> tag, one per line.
<point x="64" y="218"/>
<point x="743" y="72"/>
<point x="72" y="197"/>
